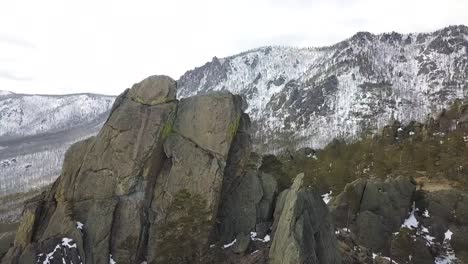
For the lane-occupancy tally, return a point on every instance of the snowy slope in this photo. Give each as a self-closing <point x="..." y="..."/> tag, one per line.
<point x="36" y="130"/>
<point x="22" y="115"/>
<point x="5" y="93"/>
<point x="307" y="97"/>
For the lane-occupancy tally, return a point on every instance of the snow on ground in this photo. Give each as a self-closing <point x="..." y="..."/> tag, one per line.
<point x="345" y="230"/>
<point x="230" y="244"/>
<point x="426" y="214"/>
<point x="79" y="225"/>
<point x="253" y="237"/>
<point x="327" y="197"/>
<point x="448" y="259"/>
<point x="448" y="235"/>
<point x="111" y="261"/>
<point x="66" y="242"/>
<point x="374" y="256"/>
<point x="449" y="256"/>
<point x="411" y="222"/>
<point x="424" y="232"/>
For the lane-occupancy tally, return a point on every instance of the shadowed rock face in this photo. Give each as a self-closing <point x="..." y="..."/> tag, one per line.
<point x="446" y="210"/>
<point x="303" y="229"/>
<point x="249" y="206"/>
<point x="373" y="209"/>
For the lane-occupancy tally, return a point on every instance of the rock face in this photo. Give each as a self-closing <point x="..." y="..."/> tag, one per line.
<point x="351" y="251"/>
<point x="303" y="232"/>
<point x="121" y="193"/>
<point x="249" y="206"/>
<point x="444" y="211"/>
<point x="373" y="210"/>
<point x="163" y="181"/>
<point x="204" y="129"/>
<point x="6" y="240"/>
<point x="309" y="96"/>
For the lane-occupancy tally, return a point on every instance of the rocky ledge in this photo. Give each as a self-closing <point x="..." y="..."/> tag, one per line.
<point x="168" y="181"/>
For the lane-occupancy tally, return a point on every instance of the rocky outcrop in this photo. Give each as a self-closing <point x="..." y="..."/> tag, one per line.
<point x="154" y="171"/>
<point x="303" y="232"/>
<point x="249" y="207"/>
<point x="444" y="214"/>
<point x="390" y="217"/>
<point x="198" y="149"/>
<point x="407" y="245"/>
<point x="168" y="181"/>
<point x="373" y="209"/>
<point x="248" y="195"/>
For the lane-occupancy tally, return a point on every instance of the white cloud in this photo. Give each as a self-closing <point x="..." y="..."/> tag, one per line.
<point x="106" y="46"/>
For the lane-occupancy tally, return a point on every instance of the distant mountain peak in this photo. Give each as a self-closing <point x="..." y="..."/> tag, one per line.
<point x="308" y="96"/>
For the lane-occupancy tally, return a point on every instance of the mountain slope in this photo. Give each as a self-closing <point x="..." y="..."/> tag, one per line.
<point x="23" y="115"/>
<point x="36" y="130"/>
<point x="307" y="97"/>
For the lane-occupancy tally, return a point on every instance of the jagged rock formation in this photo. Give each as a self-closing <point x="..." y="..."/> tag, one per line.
<point x="303" y="230"/>
<point x="249" y="207"/>
<point x="108" y="182"/>
<point x="160" y="182"/>
<point x="442" y="215"/>
<point x="204" y="127"/>
<point x="373" y="210"/>
<point x="308" y="97"/>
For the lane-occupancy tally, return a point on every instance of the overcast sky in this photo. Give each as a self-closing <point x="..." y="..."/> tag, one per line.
<point x="105" y="46"/>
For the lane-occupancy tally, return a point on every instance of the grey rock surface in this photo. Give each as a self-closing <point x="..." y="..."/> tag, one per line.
<point x="116" y="189"/>
<point x="373" y="209"/>
<point x="304" y="232"/>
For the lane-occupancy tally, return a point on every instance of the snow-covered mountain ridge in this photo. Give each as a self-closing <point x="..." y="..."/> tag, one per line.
<point x="22" y="115"/>
<point x="309" y="96"/>
<point x="36" y="130"/>
<point x="5" y="93"/>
